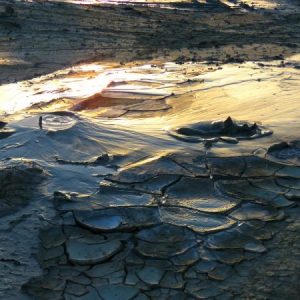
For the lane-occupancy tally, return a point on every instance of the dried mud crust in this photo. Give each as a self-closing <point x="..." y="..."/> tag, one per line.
<point x="39" y="38"/>
<point x="5" y="131"/>
<point x="181" y="226"/>
<point x="19" y="180"/>
<point x="286" y="152"/>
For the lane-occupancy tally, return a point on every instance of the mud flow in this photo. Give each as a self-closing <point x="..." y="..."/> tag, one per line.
<point x="149" y="150"/>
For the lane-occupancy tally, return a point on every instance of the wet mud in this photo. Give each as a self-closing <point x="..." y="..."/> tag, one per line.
<point x="154" y="161"/>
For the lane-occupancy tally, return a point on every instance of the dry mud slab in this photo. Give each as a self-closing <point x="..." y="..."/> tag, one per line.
<point x="99" y="201"/>
<point x="164" y="230"/>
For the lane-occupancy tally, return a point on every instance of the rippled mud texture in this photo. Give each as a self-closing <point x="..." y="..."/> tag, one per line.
<point x="150" y="234"/>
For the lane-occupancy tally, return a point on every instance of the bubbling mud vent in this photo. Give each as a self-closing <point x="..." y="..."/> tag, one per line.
<point x="152" y="182"/>
<point x="227" y="131"/>
<point x="57" y="121"/>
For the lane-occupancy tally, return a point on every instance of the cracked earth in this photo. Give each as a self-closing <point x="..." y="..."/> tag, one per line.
<point x="166" y="169"/>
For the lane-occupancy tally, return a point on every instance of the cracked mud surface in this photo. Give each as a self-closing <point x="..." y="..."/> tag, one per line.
<point x="111" y="213"/>
<point x="192" y="224"/>
<point x="217" y="233"/>
<point x="133" y="177"/>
